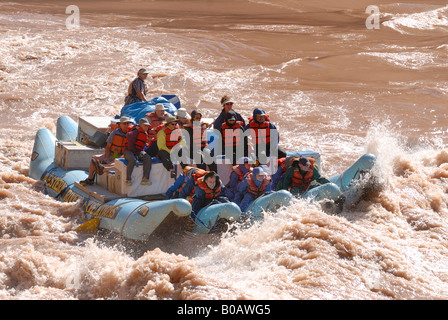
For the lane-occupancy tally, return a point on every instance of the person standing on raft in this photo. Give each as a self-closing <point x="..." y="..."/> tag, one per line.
<point x="137" y="88"/>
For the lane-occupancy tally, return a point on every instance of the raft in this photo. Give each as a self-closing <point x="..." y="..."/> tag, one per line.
<point x="136" y="212"/>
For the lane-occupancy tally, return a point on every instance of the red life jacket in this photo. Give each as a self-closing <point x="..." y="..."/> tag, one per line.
<point x="142" y="138"/>
<point x="155" y="123"/>
<point x="303" y="181"/>
<point x="281" y="163"/>
<point x="209" y="193"/>
<point x="253" y="189"/>
<point x="236" y="131"/>
<point x="262" y="130"/>
<point x="119" y="144"/>
<point x="173" y="136"/>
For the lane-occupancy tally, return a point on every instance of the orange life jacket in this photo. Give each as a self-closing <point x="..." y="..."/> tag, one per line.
<point x="195" y="175"/>
<point x="303" y="181"/>
<point x="173" y="136"/>
<point x="262" y="130"/>
<point x="119" y="144"/>
<point x="209" y="193"/>
<point x="199" y="173"/>
<point x="236" y="131"/>
<point x="253" y="189"/>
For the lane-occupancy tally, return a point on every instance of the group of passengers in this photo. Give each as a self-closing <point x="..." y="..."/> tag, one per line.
<point x="159" y="134"/>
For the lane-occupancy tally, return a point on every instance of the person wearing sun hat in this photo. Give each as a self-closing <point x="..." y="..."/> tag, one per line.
<point x="183" y="117"/>
<point x="227" y="104"/>
<point x="233" y="140"/>
<point x="137" y="88"/>
<point x="155" y="119"/>
<point x="169" y="139"/>
<point x="115" y="148"/>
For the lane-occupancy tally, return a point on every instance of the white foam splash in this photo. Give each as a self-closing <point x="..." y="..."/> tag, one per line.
<point x="427" y="20"/>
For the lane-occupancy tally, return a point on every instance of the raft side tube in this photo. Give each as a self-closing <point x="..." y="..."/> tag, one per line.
<point x="137" y="219"/>
<point x="66" y="129"/>
<point x="268" y="202"/>
<point x="43" y="153"/>
<point x="328" y="191"/>
<point x="345" y="180"/>
<point x="206" y="219"/>
<point x="57" y="180"/>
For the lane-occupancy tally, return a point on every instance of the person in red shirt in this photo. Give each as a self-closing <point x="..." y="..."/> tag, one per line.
<point x="138" y="139"/>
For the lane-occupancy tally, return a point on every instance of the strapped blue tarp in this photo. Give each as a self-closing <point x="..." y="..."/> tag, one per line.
<point x="173" y="99"/>
<point x="138" y="110"/>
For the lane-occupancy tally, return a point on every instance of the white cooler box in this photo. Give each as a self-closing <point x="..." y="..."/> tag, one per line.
<point x="159" y="177"/>
<point x="73" y="156"/>
<point x="88" y="126"/>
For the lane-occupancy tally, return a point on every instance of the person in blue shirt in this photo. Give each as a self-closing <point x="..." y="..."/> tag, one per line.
<point x="191" y="180"/>
<point x="237" y="175"/>
<point x="256" y="184"/>
<point x="209" y="189"/>
<point x="184" y="185"/>
<point x="173" y="191"/>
